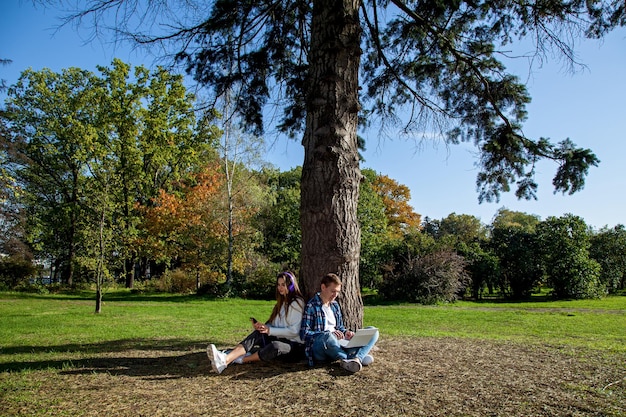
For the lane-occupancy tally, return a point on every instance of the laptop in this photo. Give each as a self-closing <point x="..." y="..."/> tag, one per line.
<point x="361" y="338"/>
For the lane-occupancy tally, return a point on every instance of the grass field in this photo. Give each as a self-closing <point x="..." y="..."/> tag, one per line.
<point x="144" y="355"/>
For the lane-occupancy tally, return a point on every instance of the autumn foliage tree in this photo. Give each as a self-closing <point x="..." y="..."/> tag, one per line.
<point x="188" y="226"/>
<point x="182" y="227"/>
<point x="396" y="197"/>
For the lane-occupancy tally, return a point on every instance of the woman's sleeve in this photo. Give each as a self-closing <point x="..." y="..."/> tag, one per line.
<point x="293" y="322"/>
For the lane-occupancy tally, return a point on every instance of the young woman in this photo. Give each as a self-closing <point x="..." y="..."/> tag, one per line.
<point x="278" y="338"/>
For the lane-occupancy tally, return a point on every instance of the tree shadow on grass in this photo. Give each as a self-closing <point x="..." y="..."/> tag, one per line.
<point x="130" y="296"/>
<point x="96" y="355"/>
<point x="161" y="367"/>
<point x="107" y="346"/>
<point x="143" y="358"/>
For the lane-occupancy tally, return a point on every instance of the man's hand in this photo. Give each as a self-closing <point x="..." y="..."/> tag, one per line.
<point x="349" y="334"/>
<point x="338" y="334"/>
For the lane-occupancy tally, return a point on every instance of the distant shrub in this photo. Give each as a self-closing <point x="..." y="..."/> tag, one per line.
<point x="176" y="281"/>
<point x="438" y="276"/>
<point x="15" y="271"/>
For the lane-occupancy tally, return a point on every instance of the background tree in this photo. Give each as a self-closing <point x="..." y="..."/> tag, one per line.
<point x="424" y="271"/>
<point x="98" y="258"/>
<point x="376" y="235"/>
<point x="515" y="243"/>
<point x="439" y="60"/>
<point x="608" y="248"/>
<point x="280" y="220"/>
<point x="469" y="238"/>
<point x="52" y="116"/>
<point x="507" y="218"/>
<point x="462" y="227"/>
<point x="238" y="152"/>
<point x="564" y="245"/>
<point x="12" y="216"/>
<point x="395" y="198"/>
<point x="153" y="133"/>
<point x="184" y="228"/>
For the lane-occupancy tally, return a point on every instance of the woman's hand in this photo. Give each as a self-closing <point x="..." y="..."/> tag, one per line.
<point x="261" y="328"/>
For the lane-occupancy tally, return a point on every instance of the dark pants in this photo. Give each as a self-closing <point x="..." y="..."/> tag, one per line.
<point x="270" y="347"/>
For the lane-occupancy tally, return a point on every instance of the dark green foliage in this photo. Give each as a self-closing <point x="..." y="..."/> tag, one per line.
<point x="443" y="59"/>
<point x="280" y="220"/>
<point x="608" y="248"/>
<point x="519" y="260"/>
<point x="483" y="267"/>
<point x="15" y="271"/>
<point x="231" y="52"/>
<point x="564" y="245"/>
<point x="468" y="236"/>
<point x="422" y="270"/>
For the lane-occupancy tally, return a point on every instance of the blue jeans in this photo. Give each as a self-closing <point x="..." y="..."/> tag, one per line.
<point x="326" y="348"/>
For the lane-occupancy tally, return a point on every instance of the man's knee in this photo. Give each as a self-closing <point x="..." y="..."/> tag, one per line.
<point x="330" y="340"/>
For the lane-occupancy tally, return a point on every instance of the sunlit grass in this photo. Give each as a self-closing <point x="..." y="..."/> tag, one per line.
<point x="596" y="328"/>
<point x="43" y="327"/>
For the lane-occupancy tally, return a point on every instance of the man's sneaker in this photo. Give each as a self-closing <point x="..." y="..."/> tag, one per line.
<point x="351" y="365"/>
<point x="217" y="358"/>
<point x="367" y="360"/>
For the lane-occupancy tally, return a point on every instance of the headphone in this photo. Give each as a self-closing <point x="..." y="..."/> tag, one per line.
<point x="292" y="279"/>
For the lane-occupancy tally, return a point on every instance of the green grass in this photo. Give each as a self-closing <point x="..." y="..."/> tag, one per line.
<point x="142" y="348"/>
<point x="45" y="327"/>
<point x="601" y="329"/>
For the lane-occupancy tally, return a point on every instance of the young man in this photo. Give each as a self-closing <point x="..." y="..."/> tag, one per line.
<point x="322" y="328"/>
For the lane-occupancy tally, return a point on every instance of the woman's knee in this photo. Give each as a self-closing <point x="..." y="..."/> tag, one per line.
<point x="274" y="349"/>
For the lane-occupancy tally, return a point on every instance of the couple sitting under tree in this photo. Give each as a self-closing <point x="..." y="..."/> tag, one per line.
<point x="296" y="331"/>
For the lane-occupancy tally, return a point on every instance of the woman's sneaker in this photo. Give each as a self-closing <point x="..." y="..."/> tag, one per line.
<point x="217" y="358"/>
<point x="351" y="365"/>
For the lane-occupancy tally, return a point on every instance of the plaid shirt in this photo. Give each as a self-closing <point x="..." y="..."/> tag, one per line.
<point x="313" y="323"/>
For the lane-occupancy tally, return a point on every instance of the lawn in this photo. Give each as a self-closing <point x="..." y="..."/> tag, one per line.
<point x="145" y="355"/>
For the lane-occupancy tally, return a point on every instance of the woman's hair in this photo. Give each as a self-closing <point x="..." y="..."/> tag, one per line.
<point x="293" y="294"/>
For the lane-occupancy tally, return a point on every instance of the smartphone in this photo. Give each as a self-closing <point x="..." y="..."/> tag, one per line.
<point x="254" y="321"/>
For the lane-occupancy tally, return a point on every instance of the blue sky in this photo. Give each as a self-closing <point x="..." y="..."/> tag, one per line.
<point x="588" y="107"/>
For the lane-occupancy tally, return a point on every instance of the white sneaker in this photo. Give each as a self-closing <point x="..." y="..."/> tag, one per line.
<point x="351" y="365"/>
<point x="217" y="358"/>
<point x="367" y="360"/>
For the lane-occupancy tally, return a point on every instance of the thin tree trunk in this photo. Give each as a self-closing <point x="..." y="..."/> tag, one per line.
<point x="71" y="253"/>
<point x="98" y="301"/>
<point x="130" y="271"/>
<point x="331" y="236"/>
<point x="231" y="239"/>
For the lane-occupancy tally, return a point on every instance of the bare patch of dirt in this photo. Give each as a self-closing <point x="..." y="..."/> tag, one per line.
<point x="410" y="377"/>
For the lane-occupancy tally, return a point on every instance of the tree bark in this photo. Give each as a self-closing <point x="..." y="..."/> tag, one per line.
<point x="129" y="269"/>
<point x="98" y="301"/>
<point x="331" y="236"/>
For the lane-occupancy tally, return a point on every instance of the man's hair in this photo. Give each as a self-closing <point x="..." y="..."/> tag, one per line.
<point x="330" y="279"/>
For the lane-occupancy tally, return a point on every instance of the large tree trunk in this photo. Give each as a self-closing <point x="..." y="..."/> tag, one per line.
<point x="331" y="235"/>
